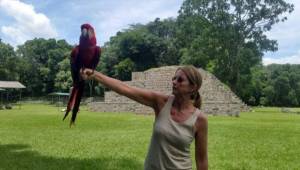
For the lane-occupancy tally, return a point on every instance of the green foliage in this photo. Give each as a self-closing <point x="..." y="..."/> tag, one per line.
<point x="196" y="54"/>
<point x="147" y="46"/>
<point x="41" y="58"/>
<point x="231" y="33"/>
<point x="269" y="94"/>
<point x="165" y="31"/>
<point x="276" y="85"/>
<point x="140" y="47"/>
<point x="123" y="69"/>
<point x="63" y="78"/>
<point x="10" y="63"/>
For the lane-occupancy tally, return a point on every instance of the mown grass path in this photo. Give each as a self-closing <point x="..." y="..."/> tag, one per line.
<point x="34" y="137"/>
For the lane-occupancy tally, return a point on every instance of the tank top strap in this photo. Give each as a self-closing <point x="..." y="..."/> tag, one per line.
<point x="195" y="116"/>
<point x="170" y="102"/>
<point x="194" y="119"/>
<point x="165" y="111"/>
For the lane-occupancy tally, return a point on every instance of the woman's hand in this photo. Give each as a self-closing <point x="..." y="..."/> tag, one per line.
<point x="87" y="74"/>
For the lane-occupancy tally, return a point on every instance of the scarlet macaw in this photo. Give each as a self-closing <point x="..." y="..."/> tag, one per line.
<point x="84" y="55"/>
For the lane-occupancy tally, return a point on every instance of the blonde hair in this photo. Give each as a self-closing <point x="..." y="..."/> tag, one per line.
<point x="194" y="78"/>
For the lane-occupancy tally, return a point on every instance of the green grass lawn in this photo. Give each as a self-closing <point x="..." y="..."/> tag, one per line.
<point x="34" y="137"/>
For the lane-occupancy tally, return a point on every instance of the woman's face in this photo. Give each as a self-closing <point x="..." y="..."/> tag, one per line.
<point x="180" y="83"/>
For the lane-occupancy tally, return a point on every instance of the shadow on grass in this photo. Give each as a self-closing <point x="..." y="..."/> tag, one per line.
<point x="18" y="156"/>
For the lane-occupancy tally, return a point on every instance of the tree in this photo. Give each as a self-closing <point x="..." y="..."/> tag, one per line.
<point x="9" y="63"/>
<point x="139" y="48"/>
<point x="269" y="94"/>
<point x="282" y="89"/>
<point x="165" y="30"/>
<point x="259" y="79"/>
<point x="197" y="53"/>
<point x="292" y="98"/>
<point x="63" y="78"/>
<point x="280" y="85"/>
<point x="41" y="58"/>
<point x="231" y="34"/>
<point x="123" y="69"/>
<point x="297" y="91"/>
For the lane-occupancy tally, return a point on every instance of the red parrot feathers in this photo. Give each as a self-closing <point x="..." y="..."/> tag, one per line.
<point x="85" y="55"/>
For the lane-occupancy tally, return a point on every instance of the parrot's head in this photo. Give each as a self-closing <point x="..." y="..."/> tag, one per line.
<point x="88" y="36"/>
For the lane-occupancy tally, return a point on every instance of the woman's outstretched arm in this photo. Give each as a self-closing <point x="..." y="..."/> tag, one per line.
<point x="143" y="96"/>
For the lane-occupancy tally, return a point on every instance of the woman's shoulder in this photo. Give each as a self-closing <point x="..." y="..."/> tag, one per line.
<point x="200" y="114"/>
<point x="201" y="119"/>
<point x="161" y="100"/>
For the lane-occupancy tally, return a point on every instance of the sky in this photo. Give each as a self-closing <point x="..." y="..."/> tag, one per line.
<point x="22" y="20"/>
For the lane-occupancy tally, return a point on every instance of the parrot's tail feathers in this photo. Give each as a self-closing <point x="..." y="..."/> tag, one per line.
<point x="66" y="114"/>
<point x="77" y="100"/>
<point x="74" y="114"/>
<point x="71" y="102"/>
<point x="72" y="124"/>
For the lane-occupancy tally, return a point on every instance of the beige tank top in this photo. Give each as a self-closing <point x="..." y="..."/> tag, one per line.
<point x="170" y="142"/>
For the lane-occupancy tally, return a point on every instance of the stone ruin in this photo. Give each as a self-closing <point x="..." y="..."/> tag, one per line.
<point x="217" y="98"/>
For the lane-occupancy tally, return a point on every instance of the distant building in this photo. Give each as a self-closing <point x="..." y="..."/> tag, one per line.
<point x="11" y="85"/>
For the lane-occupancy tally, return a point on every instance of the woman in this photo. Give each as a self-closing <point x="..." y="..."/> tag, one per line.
<point x="178" y="119"/>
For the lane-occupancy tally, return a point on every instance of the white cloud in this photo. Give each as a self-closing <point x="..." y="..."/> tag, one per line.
<point x="294" y="59"/>
<point x="133" y="11"/>
<point x="287" y="33"/>
<point x="287" y="30"/>
<point x="28" y="23"/>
